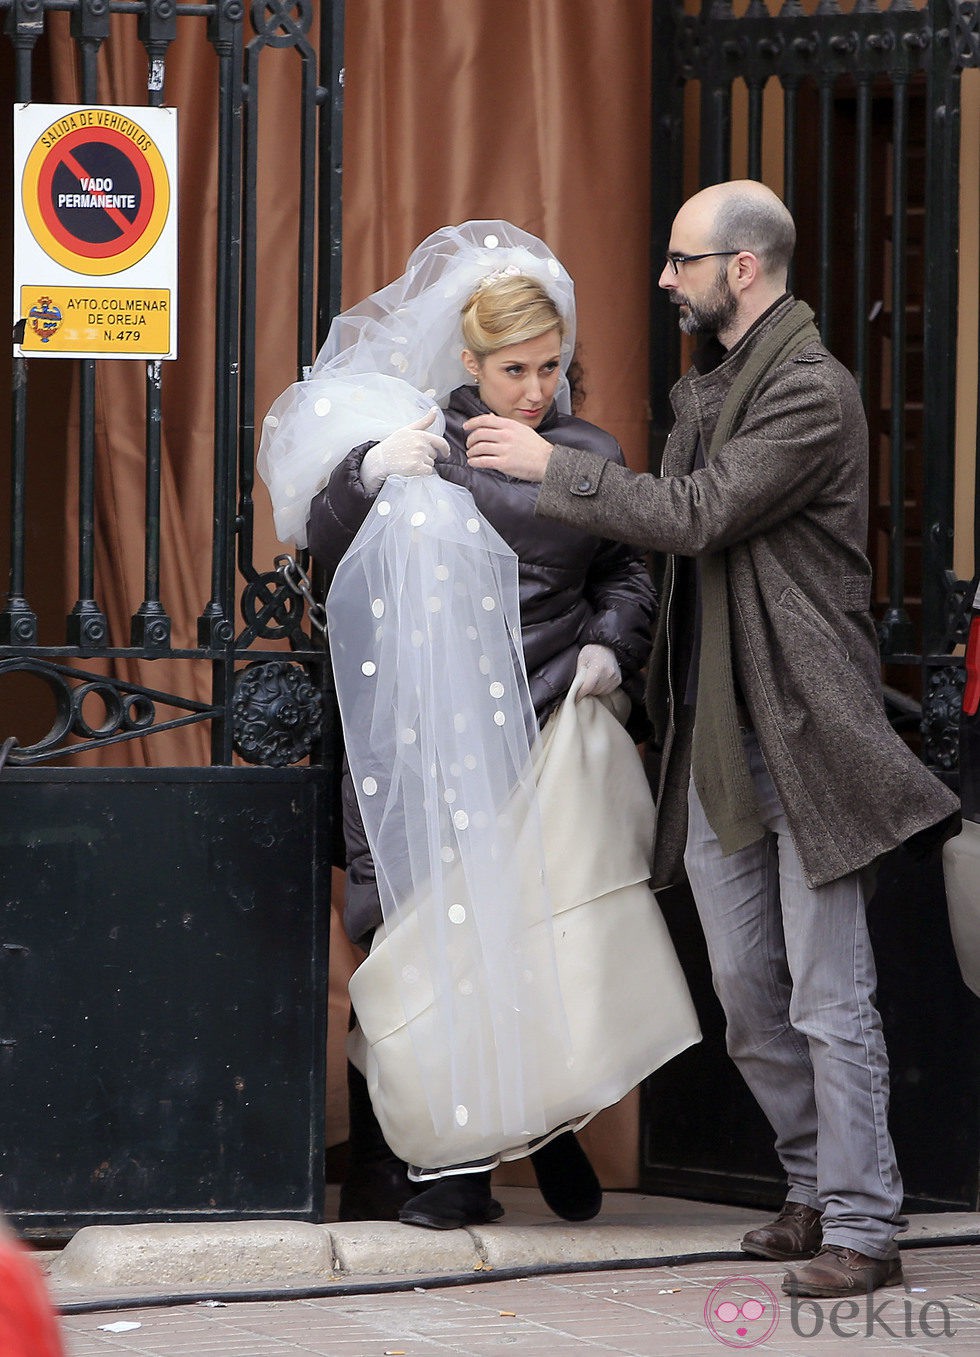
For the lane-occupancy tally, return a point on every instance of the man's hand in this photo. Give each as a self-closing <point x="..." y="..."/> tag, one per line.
<point x="508" y="446"/>
<point x="406" y="452"/>
<point x="599" y="669"/>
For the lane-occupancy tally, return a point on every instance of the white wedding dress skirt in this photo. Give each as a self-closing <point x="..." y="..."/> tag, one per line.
<point x="626" y="1003"/>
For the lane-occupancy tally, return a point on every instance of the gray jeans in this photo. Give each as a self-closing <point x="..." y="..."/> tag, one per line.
<point x="795" y="974"/>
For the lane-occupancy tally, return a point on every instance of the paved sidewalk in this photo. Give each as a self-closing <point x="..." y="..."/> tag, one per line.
<point x="656" y="1312"/>
<point x="637" y="1280"/>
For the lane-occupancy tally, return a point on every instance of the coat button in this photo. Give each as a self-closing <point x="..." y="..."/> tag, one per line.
<point x="584" y="486"/>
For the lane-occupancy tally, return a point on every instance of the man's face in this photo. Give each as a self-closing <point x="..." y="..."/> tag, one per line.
<point x="695" y="277"/>
<point x="708" y="309"/>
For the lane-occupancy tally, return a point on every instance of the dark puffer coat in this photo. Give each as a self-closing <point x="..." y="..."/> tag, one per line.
<point x="575" y="589"/>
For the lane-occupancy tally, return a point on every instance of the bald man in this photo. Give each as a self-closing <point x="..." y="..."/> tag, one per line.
<point x="781" y="781"/>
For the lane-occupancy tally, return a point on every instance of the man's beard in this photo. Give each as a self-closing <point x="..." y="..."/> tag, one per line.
<point x="716" y="312"/>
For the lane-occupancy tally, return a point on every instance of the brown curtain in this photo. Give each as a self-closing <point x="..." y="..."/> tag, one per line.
<point x="535" y="111"/>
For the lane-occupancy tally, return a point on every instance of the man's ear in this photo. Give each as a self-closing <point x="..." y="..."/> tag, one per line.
<point x="470" y="364"/>
<point x="747" y="268"/>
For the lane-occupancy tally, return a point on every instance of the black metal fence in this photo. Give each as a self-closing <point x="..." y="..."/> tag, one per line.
<point x="164" y="931"/>
<point x="270" y="711"/>
<point x="864" y="131"/>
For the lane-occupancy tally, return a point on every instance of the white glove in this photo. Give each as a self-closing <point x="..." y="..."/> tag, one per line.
<point x="406" y="452"/>
<point x="600" y="670"/>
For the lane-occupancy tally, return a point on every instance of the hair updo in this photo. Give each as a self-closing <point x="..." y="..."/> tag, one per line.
<point x="508" y="309"/>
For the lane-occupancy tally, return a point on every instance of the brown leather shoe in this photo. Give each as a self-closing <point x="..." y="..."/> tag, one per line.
<point x="837" y="1271"/>
<point x="795" y="1233"/>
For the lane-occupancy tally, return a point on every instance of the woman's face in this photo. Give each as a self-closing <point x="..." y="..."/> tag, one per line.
<point x="520" y="380"/>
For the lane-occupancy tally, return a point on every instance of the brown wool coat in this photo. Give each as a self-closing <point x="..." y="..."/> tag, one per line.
<point x="786" y="500"/>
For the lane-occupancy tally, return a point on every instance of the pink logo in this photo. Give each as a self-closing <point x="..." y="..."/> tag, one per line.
<point x="741" y="1312"/>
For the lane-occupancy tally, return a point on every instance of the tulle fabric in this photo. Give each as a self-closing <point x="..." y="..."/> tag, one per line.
<point x="439" y="730"/>
<point x="314" y="424"/>
<point x="395" y="355"/>
<point x="438" y="723"/>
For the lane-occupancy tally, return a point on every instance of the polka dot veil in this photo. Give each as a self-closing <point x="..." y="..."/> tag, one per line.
<point x="439" y="727"/>
<point x="438" y="723"/>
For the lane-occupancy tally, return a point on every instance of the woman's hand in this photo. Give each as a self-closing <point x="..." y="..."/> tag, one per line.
<point x="508" y="446"/>
<point x="406" y="452"/>
<point x="600" y="670"/>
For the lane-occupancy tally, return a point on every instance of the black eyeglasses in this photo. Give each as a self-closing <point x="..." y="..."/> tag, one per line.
<point x="676" y="260"/>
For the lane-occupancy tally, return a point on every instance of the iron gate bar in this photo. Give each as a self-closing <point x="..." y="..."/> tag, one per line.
<point x="214" y="625"/>
<point x="755" y="90"/>
<point x="150" y="626"/>
<point x="87" y="625"/>
<point x="293" y="34"/>
<point x="331" y="101"/>
<point x="826" y="200"/>
<point x="895" y="627"/>
<point x="791" y="87"/>
<point x="666" y="180"/>
<point x="940" y="317"/>
<point x="18" y="622"/>
<point x="862" y="233"/>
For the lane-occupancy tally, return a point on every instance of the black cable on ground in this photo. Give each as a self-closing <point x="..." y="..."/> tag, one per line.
<point x="437" y="1281"/>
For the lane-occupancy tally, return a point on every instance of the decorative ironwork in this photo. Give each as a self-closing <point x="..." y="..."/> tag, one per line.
<point x="277" y="713"/>
<point x="958" y="596"/>
<point x="794" y="45"/>
<point x="272" y="610"/>
<point x="282" y="25"/>
<point x="965" y="38"/>
<point x="129" y="710"/>
<point x="941" y="705"/>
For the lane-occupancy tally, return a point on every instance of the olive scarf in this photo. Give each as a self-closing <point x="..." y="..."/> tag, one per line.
<point x="718" y="763"/>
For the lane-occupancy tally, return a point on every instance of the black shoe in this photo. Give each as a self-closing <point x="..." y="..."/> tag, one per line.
<point x="376" y="1185"/>
<point x="452" y="1202"/>
<point x="375" y="1190"/>
<point x="567" y="1180"/>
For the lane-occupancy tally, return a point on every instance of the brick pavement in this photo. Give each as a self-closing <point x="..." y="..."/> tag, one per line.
<point x="648" y="1312"/>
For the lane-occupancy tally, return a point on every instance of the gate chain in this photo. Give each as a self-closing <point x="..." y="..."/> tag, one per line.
<point x="293" y="575"/>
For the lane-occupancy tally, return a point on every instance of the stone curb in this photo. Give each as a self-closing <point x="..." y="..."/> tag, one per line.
<point x="225" y="1253"/>
<point x="251" y="1253"/>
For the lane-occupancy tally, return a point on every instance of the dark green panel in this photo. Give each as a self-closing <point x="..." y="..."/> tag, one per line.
<point x="163" y="964"/>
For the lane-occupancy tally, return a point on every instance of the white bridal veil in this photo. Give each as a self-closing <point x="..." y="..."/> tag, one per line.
<point x="389" y="359"/>
<point x="438" y="724"/>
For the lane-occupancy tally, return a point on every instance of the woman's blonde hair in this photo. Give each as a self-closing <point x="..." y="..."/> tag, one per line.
<point x="508" y="310"/>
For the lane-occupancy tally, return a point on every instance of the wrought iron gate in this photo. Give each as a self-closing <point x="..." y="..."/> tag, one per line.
<point x="163" y="989"/>
<point x="864" y="133"/>
<point x="868" y="101"/>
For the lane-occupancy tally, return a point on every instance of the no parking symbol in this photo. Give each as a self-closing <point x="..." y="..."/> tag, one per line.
<point x="96" y="191"/>
<point x="97" y="203"/>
